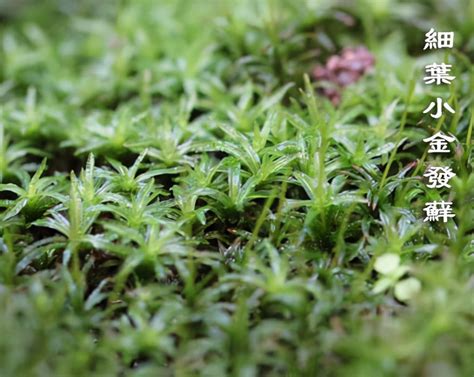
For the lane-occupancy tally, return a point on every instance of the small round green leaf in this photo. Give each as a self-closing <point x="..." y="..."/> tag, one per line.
<point x="407" y="289"/>
<point x="387" y="263"/>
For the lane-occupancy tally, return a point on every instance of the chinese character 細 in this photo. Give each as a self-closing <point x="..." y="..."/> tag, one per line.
<point x="439" y="142"/>
<point x="439" y="39"/>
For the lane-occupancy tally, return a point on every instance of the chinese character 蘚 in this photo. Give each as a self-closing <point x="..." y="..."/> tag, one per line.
<point x="438" y="73"/>
<point x="439" y="108"/>
<point x="439" y="142"/>
<point x="440" y="39"/>
<point x="436" y="210"/>
<point x="439" y="176"/>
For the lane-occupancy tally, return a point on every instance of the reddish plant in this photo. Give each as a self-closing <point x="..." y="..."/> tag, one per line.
<point x="343" y="70"/>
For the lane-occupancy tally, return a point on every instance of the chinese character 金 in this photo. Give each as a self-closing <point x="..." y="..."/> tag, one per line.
<point x="439" y="108"/>
<point x="436" y="210"/>
<point x="439" y="142"/>
<point x="440" y="39"/>
<point x="438" y="73"/>
<point x="439" y="176"/>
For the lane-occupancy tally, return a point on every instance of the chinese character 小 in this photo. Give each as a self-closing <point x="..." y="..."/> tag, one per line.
<point x="439" y="108"/>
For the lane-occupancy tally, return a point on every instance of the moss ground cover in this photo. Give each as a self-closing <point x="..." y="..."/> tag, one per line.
<point x="179" y="198"/>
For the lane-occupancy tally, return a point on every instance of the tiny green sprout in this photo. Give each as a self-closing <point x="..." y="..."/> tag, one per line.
<point x="13" y="154"/>
<point x="34" y="195"/>
<point x="388" y="265"/>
